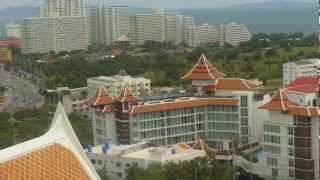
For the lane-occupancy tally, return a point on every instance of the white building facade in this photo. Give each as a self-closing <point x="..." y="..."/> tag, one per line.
<point x="294" y="70"/>
<point x="13" y="30"/>
<point x="234" y="34"/>
<point x="42" y="35"/>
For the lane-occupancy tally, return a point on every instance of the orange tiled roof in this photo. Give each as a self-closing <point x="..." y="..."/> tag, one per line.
<point x="184" y="104"/>
<point x="55" y="155"/>
<point x="107" y="109"/>
<point x="102" y="97"/>
<point x="279" y="102"/>
<point x="51" y="162"/>
<point x="127" y="96"/>
<point x="203" y="70"/>
<point x="231" y="84"/>
<point x="304" y="111"/>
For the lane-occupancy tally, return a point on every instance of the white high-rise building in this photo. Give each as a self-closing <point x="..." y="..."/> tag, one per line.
<point x="159" y="26"/>
<point x="183" y="24"/>
<point x="42" y="35"/>
<point x="234" y="34"/>
<point x="294" y="70"/>
<point x="201" y="35"/>
<point x="54" y="8"/>
<point x="107" y="23"/>
<point x="13" y="30"/>
<point x="61" y="26"/>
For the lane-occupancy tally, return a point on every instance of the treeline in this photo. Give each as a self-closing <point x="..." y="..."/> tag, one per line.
<point x="199" y="168"/>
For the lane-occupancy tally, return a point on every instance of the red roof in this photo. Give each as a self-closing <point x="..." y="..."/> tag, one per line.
<point x="231" y="84"/>
<point x="102" y="97"/>
<point x="127" y="96"/>
<point x="203" y="70"/>
<point x="184" y="104"/>
<point x="16" y="42"/>
<point x="304" y="111"/>
<point x="107" y="109"/>
<point x="305" y="84"/>
<point x="279" y="102"/>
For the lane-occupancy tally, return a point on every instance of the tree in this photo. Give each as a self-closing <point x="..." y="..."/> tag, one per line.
<point x="103" y="174"/>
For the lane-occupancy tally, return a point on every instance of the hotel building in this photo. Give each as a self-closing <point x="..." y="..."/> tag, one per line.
<point x="221" y="112"/>
<point x="234" y="34"/>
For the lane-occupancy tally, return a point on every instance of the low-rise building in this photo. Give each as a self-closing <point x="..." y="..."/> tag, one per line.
<point x="117" y="159"/>
<point x="140" y="86"/>
<point x="294" y="70"/>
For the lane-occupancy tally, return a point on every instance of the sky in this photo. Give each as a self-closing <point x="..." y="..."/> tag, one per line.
<point x="170" y="4"/>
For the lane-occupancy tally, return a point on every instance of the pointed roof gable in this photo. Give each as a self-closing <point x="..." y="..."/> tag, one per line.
<point x="279" y="102"/>
<point x="101" y="97"/>
<point x="127" y="96"/>
<point x="203" y="70"/>
<point x="55" y="155"/>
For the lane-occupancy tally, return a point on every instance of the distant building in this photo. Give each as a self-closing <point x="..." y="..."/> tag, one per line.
<point x="106" y="24"/>
<point x="158" y="26"/>
<point x="294" y="70"/>
<point x="5" y="55"/>
<point x="201" y="35"/>
<point x="42" y="35"/>
<point x="13" y="30"/>
<point x="57" y="154"/>
<point x="10" y="42"/>
<point x="57" y="8"/>
<point x="234" y="34"/>
<point x="115" y="84"/>
<point x="117" y="159"/>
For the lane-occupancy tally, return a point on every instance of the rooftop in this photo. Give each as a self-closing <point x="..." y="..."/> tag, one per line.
<point x="55" y="155"/>
<point x="305" y="85"/>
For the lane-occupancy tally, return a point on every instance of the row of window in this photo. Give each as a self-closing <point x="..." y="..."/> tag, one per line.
<point x="271" y="129"/>
<point x="272" y="149"/>
<point x="220" y="126"/>
<point x="222" y="135"/>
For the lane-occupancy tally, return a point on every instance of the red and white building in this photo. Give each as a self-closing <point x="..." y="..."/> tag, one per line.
<point x="222" y="111"/>
<point x="290" y="133"/>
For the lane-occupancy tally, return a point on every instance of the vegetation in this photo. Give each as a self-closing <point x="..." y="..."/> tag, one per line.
<point x="164" y="65"/>
<point x="199" y="168"/>
<point x="32" y="123"/>
<point x="2" y="90"/>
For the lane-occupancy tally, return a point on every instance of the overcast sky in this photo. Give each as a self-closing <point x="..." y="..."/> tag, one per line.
<point x="153" y="3"/>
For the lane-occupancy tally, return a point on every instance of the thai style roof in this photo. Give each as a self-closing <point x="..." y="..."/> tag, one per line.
<point x="305" y="85"/>
<point x="107" y="109"/>
<point x="237" y="84"/>
<point x="179" y="104"/>
<point x="279" y="102"/>
<point x="55" y="155"/>
<point x="203" y="70"/>
<point x="304" y="111"/>
<point x="127" y="96"/>
<point x="101" y="98"/>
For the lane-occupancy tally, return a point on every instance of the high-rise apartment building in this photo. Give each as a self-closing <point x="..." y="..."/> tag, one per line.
<point x="234" y="34"/>
<point x="201" y="35"/>
<point x="42" y="35"/>
<point x="13" y="30"/>
<point x="183" y="24"/>
<point x="294" y="70"/>
<point x="159" y="26"/>
<point x="106" y="24"/>
<point x="54" y="8"/>
<point x="61" y="26"/>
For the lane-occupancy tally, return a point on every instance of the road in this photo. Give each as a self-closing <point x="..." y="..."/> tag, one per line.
<point x="20" y="93"/>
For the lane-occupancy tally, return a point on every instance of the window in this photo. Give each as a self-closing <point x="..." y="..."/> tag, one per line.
<point x="272" y="139"/>
<point x="291" y="172"/>
<point x="244" y="121"/>
<point x="274" y="172"/>
<point x="244" y="131"/>
<point x="290" y="141"/>
<point x="272" y="161"/>
<point x="272" y="149"/>
<point x="118" y="164"/>
<point x="244" y="112"/>
<point x="291" y="152"/>
<point x="245" y="140"/>
<point x="290" y="130"/>
<point x="244" y="100"/>
<point x="271" y="129"/>
<point x="291" y="162"/>
<point x="93" y="161"/>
